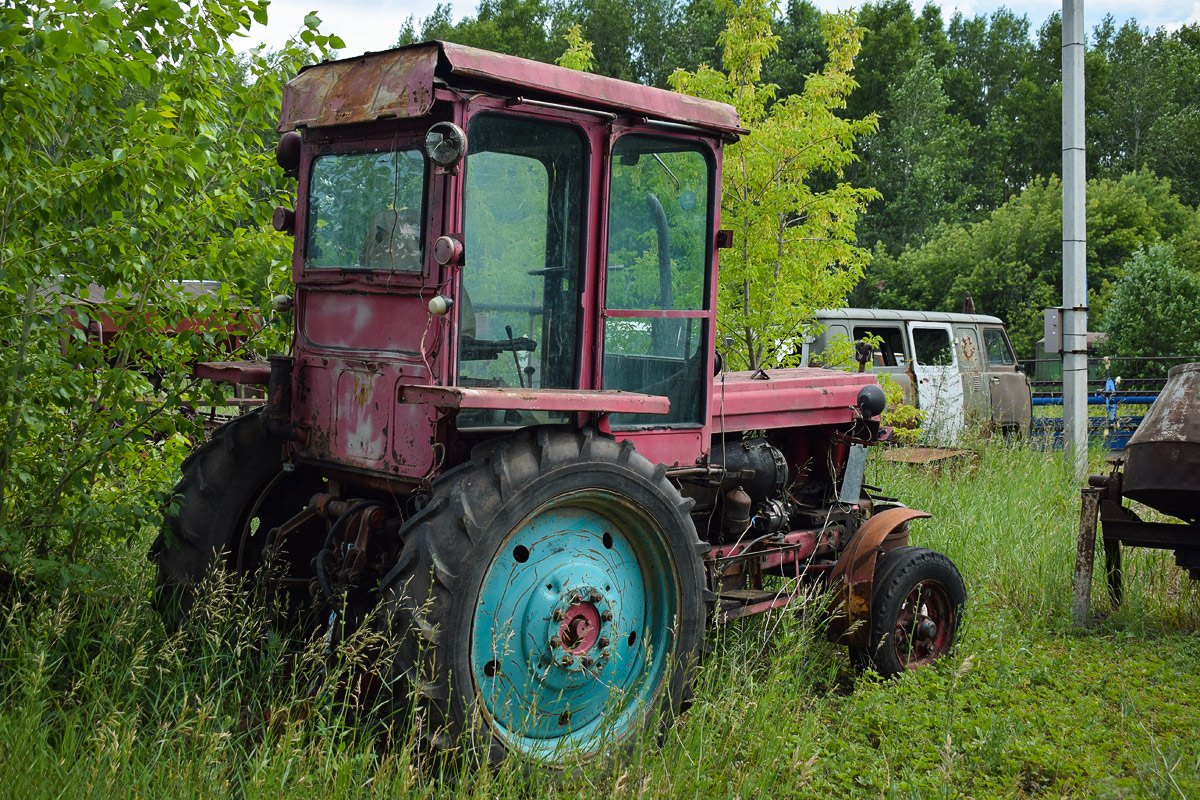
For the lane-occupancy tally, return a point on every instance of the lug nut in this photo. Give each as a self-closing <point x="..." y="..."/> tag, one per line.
<point x="555" y="641"/>
<point x="602" y="642"/>
<point x="594" y="597"/>
<point x="606" y="616"/>
<point x="586" y="661"/>
<point x="576" y="598"/>
<point x="566" y="661"/>
<point x="559" y="615"/>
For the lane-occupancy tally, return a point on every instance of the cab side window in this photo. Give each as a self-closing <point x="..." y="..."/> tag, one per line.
<point x="655" y="324"/>
<point x="999" y="354"/>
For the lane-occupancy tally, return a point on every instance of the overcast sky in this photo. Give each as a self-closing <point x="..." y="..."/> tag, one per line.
<point x="373" y="25"/>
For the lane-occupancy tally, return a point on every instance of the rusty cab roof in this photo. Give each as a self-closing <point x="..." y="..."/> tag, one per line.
<point x="400" y="83"/>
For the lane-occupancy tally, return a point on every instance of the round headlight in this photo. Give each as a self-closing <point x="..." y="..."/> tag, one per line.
<point x="445" y="144"/>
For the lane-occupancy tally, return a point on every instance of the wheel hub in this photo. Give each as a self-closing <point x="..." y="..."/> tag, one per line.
<point x="581" y="631"/>
<point x="926" y="629"/>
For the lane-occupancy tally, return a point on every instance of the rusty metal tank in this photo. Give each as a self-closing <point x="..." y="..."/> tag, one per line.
<point x="1162" y="459"/>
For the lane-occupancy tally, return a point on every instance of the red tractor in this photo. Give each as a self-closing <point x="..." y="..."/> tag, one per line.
<point x="504" y="429"/>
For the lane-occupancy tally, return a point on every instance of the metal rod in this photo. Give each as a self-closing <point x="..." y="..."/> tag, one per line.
<point x="517" y="101"/>
<point x="1099" y="400"/>
<point x="513" y="346"/>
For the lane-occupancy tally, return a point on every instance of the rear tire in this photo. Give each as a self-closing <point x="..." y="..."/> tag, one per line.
<point x="549" y="600"/>
<point x="916" y="609"/>
<point x="232" y="493"/>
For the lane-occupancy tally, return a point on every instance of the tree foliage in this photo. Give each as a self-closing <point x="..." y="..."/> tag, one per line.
<point x="526" y="28"/>
<point x="975" y="101"/>
<point x="924" y="157"/>
<point x="1011" y="261"/>
<point x="1153" y="309"/>
<point x="578" y="54"/>
<point x="1003" y="99"/>
<point x="793" y="251"/>
<point x="133" y="156"/>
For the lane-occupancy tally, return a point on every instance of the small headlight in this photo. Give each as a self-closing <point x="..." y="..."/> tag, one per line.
<point x="445" y="144"/>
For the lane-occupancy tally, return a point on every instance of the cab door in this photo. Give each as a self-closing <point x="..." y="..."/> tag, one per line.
<point x="1011" y="395"/>
<point x="939" y="387"/>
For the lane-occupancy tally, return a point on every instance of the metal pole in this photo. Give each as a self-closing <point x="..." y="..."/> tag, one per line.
<point x="1075" y="322"/>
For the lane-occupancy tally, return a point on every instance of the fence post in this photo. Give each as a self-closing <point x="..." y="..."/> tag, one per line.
<point x="1085" y="558"/>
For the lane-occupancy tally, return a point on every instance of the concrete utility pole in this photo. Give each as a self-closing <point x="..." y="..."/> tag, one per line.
<point x="1075" y="322"/>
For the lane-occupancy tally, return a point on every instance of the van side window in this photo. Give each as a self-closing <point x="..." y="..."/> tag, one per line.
<point x="999" y="354"/>
<point x="932" y="347"/>
<point x="891" y="349"/>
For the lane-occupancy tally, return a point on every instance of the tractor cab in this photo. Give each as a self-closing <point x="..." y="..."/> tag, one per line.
<point x="488" y="243"/>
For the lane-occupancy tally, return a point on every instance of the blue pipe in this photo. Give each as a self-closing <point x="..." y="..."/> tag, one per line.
<point x="1098" y="400"/>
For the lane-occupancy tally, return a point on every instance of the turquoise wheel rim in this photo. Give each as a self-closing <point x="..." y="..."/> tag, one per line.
<point x="574" y="629"/>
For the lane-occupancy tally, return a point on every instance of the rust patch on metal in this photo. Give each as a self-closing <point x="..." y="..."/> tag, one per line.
<point x="853" y="576"/>
<point x="363" y="89"/>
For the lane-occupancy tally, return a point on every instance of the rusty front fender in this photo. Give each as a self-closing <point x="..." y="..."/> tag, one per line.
<point x="853" y="576"/>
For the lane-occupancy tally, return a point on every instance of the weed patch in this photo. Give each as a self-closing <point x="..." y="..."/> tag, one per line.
<point x="97" y="700"/>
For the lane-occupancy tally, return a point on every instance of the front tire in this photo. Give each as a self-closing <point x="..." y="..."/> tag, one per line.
<point x="549" y="599"/>
<point x="916" y="610"/>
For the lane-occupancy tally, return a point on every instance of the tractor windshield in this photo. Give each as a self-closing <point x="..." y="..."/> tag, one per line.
<point x="365" y="211"/>
<point x="523" y="254"/>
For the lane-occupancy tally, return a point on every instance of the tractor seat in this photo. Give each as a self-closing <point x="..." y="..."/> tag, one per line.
<point x="393" y="240"/>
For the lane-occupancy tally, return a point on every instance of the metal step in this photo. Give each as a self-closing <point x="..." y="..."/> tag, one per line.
<point x="748" y="596"/>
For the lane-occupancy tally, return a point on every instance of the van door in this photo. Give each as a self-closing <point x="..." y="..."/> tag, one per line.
<point x="939" y="387"/>
<point x="1012" y="400"/>
<point x="977" y="401"/>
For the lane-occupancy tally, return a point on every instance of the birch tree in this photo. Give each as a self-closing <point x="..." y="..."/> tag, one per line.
<point x="783" y="192"/>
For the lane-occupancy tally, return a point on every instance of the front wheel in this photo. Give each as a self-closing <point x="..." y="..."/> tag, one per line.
<point x="916" y="610"/>
<point x="550" y="599"/>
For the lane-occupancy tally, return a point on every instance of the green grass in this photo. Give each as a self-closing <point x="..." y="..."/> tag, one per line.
<point x="96" y="700"/>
